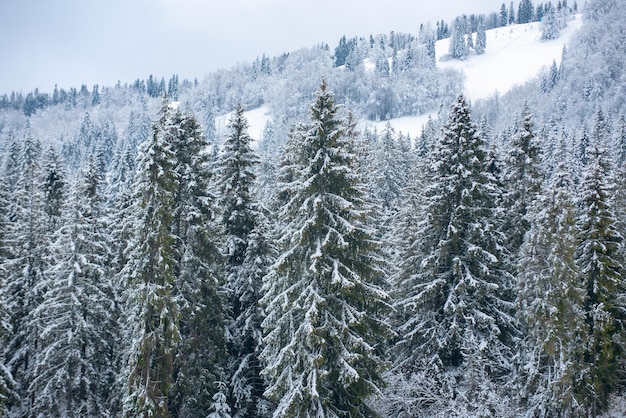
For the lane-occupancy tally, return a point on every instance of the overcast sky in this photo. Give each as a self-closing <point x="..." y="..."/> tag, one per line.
<point x="74" y="42"/>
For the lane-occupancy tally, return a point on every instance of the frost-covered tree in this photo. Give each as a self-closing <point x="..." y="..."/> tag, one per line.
<point x="55" y="190"/>
<point x="26" y="243"/>
<point x="325" y="305"/>
<point x="481" y="37"/>
<point x="523" y="179"/>
<point x="457" y="326"/>
<point x="7" y="385"/>
<point x="76" y="318"/>
<point x="458" y="45"/>
<point x="598" y="258"/>
<point x="199" y="361"/>
<point x="246" y="264"/>
<point x="550" y="304"/>
<point x="153" y="313"/>
<point x="550" y="24"/>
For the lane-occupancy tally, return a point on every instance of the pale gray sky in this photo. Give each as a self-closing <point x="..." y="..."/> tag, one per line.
<point x="74" y="42"/>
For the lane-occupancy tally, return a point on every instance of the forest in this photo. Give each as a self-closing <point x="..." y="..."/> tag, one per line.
<point x="153" y="264"/>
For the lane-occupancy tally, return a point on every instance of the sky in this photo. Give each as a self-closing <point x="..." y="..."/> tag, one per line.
<point x="68" y="43"/>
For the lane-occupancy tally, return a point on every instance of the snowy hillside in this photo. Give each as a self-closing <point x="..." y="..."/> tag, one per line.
<point x="514" y="55"/>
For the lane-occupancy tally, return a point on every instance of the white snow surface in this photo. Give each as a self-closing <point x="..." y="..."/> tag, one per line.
<point x="514" y="55"/>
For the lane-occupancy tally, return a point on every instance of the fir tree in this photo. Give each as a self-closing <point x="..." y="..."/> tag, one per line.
<point x="457" y="326"/>
<point x="24" y="268"/>
<point x="523" y="180"/>
<point x="200" y="355"/>
<point x="601" y="270"/>
<point x="550" y="303"/>
<point x="246" y="264"/>
<point x="481" y="37"/>
<point x="73" y="366"/>
<point x="324" y="301"/>
<point x="153" y="314"/>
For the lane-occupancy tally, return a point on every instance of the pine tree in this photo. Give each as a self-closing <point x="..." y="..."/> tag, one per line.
<point x="481" y="37"/>
<point x="324" y="301"/>
<point x="73" y="366"/>
<point x="24" y="268"/>
<point x="200" y="356"/>
<point x="7" y="385"/>
<point x="550" y="25"/>
<point x="550" y="303"/>
<point x="601" y="270"/>
<point x="457" y="327"/>
<point x="523" y="180"/>
<point x="153" y="314"/>
<point x="246" y="264"/>
<point x="458" y="45"/>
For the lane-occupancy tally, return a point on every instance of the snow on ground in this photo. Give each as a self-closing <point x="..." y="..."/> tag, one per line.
<point x="514" y="55"/>
<point x="257" y="119"/>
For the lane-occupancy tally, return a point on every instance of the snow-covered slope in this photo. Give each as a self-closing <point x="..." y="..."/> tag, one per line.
<point x="514" y="55"/>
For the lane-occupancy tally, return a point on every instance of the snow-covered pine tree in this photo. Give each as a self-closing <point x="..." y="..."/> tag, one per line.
<point x="24" y="267"/>
<point x="598" y="258"/>
<point x="7" y="385"/>
<point x="457" y="326"/>
<point x="458" y="45"/>
<point x="481" y="37"/>
<point x="153" y="314"/>
<point x="523" y="180"/>
<point x="54" y="184"/>
<point x="389" y="175"/>
<point x="550" y="303"/>
<point x="550" y="24"/>
<point x="200" y="361"/>
<point x="76" y="318"/>
<point x="246" y="264"/>
<point x="324" y="300"/>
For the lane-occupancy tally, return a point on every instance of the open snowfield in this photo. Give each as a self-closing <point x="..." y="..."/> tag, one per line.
<point x="514" y="55"/>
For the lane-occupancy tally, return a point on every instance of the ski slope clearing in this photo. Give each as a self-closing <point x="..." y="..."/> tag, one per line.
<point x="514" y="55"/>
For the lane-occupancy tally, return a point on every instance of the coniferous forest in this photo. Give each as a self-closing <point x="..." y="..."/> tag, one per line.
<point x="156" y="264"/>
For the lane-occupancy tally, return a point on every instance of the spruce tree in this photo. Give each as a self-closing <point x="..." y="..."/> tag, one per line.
<point x="601" y="267"/>
<point x="457" y="326"/>
<point x="246" y="264"/>
<point x="324" y="299"/>
<point x="550" y="303"/>
<point x="199" y="365"/>
<point x="26" y="244"/>
<point x="153" y="314"/>
<point x="523" y="179"/>
<point x="74" y="363"/>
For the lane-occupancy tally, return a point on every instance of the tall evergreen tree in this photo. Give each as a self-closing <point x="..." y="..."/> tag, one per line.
<point x="523" y="179"/>
<point x="457" y="327"/>
<point x="550" y="303"/>
<point x="24" y="269"/>
<point x="199" y="365"/>
<point x="325" y="304"/>
<point x="153" y="314"/>
<point x="246" y="265"/>
<point x="73" y="366"/>
<point x="602" y="276"/>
